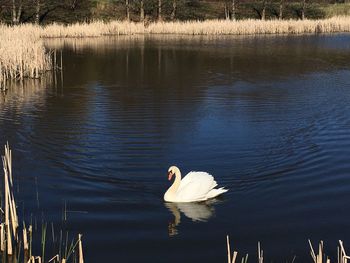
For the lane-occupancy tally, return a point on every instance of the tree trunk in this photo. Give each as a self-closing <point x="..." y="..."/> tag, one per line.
<point x="263" y="12"/>
<point x="303" y="4"/>
<point x="173" y="13"/>
<point x="13" y="12"/>
<point x="159" y="10"/>
<point x="233" y="10"/>
<point x="16" y="14"/>
<point x="227" y="12"/>
<point x="37" y="15"/>
<point x="142" y="11"/>
<point x="127" y="10"/>
<point x="280" y="14"/>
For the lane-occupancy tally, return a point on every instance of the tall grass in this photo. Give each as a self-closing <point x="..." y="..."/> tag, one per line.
<point x="16" y="241"/>
<point x="22" y="53"/>
<point x="208" y="27"/>
<point x="317" y="257"/>
<point x="94" y="29"/>
<point x="252" y="27"/>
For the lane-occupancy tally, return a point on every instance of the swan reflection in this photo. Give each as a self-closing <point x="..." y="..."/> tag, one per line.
<point x="200" y="212"/>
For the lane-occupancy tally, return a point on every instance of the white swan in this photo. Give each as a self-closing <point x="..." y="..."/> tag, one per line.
<point x="194" y="187"/>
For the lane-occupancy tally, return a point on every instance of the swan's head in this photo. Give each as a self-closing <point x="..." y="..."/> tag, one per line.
<point x="171" y="171"/>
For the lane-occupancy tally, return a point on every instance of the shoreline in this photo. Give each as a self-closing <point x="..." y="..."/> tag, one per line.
<point x="23" y="55"/>
<point x="207" y="27"/>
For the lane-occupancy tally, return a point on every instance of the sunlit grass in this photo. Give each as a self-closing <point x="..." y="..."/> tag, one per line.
<point x="208" y="27"/>
<point x="94" y="29"/>
<point x="22" y="53"/>
<point x="252" y="27"/>
<point x="318" y="256"/>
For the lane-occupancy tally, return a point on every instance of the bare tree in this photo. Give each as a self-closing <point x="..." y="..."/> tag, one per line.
<point x="227" y="12"/>
<point x="280" y="14"/>
<point x="37" y="13"/>
<point x="142" y="11"/>
<point x="160" y="10"/>
<point x="73" y="4"/>
<point x="173" y="13"/>
<point x="263" y="11"/>
<point x="16" y="12"/>
<point x="127" y="5"/>
<point x="233" y="10"/>
<point x="303" y="6"/>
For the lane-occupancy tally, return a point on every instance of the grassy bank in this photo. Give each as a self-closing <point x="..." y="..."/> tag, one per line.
<point x="209" y="27"/>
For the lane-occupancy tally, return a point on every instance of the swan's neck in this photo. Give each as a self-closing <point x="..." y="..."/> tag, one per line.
<point x="171" y="193"/>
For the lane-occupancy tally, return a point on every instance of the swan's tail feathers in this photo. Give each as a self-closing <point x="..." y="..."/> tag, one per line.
<point x="215" y="192"/>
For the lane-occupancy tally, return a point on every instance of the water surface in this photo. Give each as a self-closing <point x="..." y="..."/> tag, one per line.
<point x="267" y="116"/>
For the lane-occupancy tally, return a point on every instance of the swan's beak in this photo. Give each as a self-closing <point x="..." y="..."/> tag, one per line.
<point x="170" y="174"/>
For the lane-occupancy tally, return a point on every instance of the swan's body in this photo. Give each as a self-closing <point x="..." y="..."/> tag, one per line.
<point x="194" y="187"/>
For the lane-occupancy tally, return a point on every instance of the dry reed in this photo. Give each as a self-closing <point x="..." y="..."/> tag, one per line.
<point x="94" y="29"/>
<point x="12" y="246"/>
<point x="320" y="257"/>
<point x="208" y="27"/>
<point x="22" y="53"/>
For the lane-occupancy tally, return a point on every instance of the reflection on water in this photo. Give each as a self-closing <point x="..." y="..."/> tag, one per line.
<point x="264" y="57"/>
<point x="24" y="92"/>
<point x="199" y="211"/>
<point x="21" y="96"/>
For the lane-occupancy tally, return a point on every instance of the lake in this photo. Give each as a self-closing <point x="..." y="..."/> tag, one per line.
<point x="268" y="117"/>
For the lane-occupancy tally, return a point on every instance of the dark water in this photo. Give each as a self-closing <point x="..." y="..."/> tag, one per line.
<point x="268" y="117"/>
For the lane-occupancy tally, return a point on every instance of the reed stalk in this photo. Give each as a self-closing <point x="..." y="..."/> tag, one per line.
<point x="81" y="257"/>
<point x="207" y="27"/>
<point x="22" y="55"/>
<point x="319" y="257"/>
<point x="13" y="245"/>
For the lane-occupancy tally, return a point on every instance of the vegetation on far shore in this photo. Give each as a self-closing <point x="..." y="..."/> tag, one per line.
<point x="207" y="27"/>
<point x="71" y="11"/>
<point x="23" y="55"/>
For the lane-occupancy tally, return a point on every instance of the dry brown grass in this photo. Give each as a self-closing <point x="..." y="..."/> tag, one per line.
<point x="94" y="29"/>
<point x="252" y="27"/>
<point x="209" y="27"/>
<point x="22" y="53"/>
<point x="317" y="257"/>
<point x="16" y="242"/>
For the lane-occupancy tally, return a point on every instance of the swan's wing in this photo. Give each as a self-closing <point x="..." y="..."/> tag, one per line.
<point x="195" y="187"/>
<point x="191" y="177"/>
